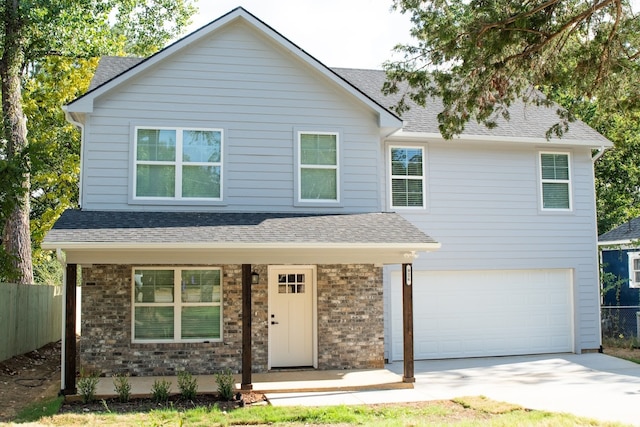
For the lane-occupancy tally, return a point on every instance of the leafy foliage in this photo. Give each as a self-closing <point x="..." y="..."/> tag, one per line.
<point x="481" y="56"/>
<point x="226" y="384"/>
<point x="87" y="386"/>
<point x="160" y="390"/>
<point x="122" y="387"/>
<point x="51" y="47"/>
<point x="188" y="385"/>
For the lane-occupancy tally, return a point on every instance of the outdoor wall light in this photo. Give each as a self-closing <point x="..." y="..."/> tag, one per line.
<point x="255" y="278"/>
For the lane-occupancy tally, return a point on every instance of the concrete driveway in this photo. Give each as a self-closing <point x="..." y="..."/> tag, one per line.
<point x="591" y="385"/>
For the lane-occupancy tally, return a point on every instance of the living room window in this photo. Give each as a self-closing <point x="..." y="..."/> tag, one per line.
<point x="318" y="167"/>
<point x="178" y="163"/>
<point x="407" y="177"/>
<point x="177" y="304"/>
<point x="555" y="181"/>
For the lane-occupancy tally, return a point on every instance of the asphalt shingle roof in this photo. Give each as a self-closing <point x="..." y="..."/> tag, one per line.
<point x="626" y="232"/>
<point x="207" y="227"/>
<point x="527" y="121"/>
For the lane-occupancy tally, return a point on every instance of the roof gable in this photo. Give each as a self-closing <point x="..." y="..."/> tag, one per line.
<point x="114" y="75"/>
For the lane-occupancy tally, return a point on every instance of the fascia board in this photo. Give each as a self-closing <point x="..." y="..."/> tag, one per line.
<point x="422" y="247"/>
<point x="426" y="136"/>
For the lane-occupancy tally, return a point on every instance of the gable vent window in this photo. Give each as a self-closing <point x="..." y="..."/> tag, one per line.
<point x="634" y="269"/>
<point x="407" y="177"/>
<point x="178" y="163"/>
<point x="555" y="181"/>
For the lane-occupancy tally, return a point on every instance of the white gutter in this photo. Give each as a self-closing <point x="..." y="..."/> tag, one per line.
<point x="231" y="245"/>
<point x="74" y="122"/>
<point x="408" y="136"/>
<point x="599" y="154"/>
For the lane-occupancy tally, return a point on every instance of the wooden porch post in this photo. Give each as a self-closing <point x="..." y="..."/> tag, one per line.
<point x="246" y="327"/>
<point x="69" y="386"/>
<point x="407" y="322"/>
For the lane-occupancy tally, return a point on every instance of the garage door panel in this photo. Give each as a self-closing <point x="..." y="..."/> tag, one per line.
<point x="486" y="313"/>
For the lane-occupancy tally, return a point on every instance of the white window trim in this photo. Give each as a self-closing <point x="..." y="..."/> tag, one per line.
<point x="632" y="282"/>
<point x="300" y="166"/>
<point x="177" y="163"/>
<point x="555" y="181"/>
<point x="423" y="178"/>
<point x="176" y="304"/>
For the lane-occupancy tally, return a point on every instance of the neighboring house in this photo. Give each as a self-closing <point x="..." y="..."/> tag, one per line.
<point x="233" y="152"/>
<point x="620" y="257"/>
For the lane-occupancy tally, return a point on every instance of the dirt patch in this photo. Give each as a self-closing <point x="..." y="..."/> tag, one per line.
<point x="28" y="378"/>
<point x="628" y="353"/>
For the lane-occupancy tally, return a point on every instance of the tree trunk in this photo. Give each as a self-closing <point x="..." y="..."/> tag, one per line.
<point x="16" y="236"/>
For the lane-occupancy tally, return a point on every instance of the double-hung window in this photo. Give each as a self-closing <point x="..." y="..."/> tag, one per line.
<point x="318" y="167"/>
<point x="177" y="304"/>
<point x="555" y="181"/>
<point x="407" y="177"/>
<point x="178" y="163"/>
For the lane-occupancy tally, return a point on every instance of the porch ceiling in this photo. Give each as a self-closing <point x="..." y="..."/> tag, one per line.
<point x="116" y="237"/>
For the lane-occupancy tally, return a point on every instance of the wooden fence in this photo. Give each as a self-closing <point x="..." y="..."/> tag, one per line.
<point x="30" y="317"/>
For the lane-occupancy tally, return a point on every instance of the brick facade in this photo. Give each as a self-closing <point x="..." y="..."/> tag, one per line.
<point x="350" y="324"/>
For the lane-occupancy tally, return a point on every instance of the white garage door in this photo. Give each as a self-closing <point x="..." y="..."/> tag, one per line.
<point x="486" y="313"/>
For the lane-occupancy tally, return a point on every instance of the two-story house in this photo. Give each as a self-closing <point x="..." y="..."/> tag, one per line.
<point x="233" y="183"/>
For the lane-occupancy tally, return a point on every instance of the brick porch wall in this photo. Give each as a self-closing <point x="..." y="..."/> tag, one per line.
<point x="350" y="317"/>
<point x="350" y="324"/>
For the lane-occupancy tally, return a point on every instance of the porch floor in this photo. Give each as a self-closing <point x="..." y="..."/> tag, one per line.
<point x="276" y="381"/>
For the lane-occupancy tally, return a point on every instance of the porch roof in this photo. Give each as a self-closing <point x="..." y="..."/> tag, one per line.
<point x="110" y="237"/>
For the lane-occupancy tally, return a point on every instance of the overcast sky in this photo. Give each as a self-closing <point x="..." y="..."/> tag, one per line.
<point x="339" y="33"/>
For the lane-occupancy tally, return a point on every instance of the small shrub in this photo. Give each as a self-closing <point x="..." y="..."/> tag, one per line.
<point x="160" y="390"/>
<point x="188" y="385"/>
<point x="87" y="385"/>
<point x="122" y="386"/>
<point x="225" y="384"/>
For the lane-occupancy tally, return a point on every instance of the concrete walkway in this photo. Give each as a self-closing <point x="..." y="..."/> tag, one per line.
<point x="590" y="385"/>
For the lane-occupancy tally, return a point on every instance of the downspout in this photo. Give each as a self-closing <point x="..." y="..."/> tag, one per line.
<point x="599" y="154"/>
<point x="70" y="119"/>
<point x="62" y="261"/>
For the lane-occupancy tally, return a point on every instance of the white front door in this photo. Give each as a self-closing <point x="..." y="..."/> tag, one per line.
<point x="291" y="331"/>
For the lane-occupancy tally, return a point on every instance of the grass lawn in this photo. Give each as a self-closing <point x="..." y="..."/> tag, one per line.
<point x="465" y="411"/>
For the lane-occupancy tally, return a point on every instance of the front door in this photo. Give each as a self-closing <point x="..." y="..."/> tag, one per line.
<point x="291" y="331"/>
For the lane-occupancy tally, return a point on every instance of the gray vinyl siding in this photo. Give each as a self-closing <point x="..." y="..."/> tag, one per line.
<point x="241" y="82"/>
<point x="483" y="206"/>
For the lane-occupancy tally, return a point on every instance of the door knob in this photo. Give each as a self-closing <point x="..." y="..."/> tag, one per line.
<point x="274" y="322"/>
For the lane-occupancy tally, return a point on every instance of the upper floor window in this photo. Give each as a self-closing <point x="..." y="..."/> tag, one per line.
<point x="177" y="304"/>
<point x="555" y="179"/>
<point x="407" y="177"/>
<point x="318" y="163"/>
<point x="178" y="163"/>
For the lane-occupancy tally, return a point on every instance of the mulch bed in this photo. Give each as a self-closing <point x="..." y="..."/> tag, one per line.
<point x="175" y="402"/>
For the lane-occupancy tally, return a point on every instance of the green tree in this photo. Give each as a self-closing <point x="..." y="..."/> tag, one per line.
<point x="618" y="172"/>
<point x="47" y="50"/>
<point x="480" y="56"/>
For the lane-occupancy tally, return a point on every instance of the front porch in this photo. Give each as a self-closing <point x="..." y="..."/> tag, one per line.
<point x="275" y="382"/>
